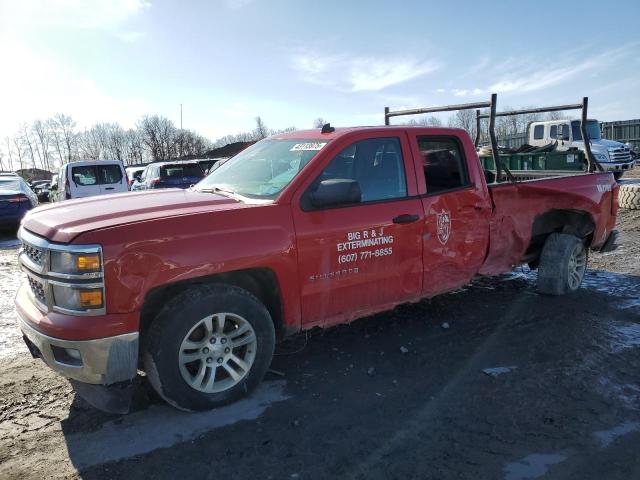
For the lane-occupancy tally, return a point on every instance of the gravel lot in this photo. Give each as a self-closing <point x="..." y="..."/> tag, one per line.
<point x="491" y="381"/>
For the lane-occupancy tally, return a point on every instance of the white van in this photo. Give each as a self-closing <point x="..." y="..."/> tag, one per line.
<point x="87" y="179"/>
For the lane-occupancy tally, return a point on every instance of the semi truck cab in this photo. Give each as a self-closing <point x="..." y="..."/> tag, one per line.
<point x="613" y="156"/>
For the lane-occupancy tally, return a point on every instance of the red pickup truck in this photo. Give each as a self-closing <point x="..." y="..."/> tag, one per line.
<point x="304" y="229"/>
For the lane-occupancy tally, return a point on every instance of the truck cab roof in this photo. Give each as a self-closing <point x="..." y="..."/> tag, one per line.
<point x="316" y="133"/>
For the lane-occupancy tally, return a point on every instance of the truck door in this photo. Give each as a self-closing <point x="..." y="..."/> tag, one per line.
<point x="358" y="258"/>
<point x="112" y="178"/>
<point x="456" y="209"/>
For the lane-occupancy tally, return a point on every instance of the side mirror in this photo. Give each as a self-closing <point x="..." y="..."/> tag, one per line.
<point x="336" y="191"/>
<point x="54" y="187"/>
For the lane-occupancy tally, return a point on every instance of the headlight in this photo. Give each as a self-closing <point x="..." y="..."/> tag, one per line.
<point x="77" y="299"/>
<point x="75" y="263"/>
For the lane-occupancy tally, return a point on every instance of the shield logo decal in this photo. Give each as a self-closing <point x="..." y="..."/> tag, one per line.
<point x="443" y="226"/>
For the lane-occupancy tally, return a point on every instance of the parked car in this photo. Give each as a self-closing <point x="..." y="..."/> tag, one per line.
<point x="302" y="229"/>
<point x="16" y="199"/>
<point x="133" y="174"/>
<point x="218" y="164"/>
<point x="41" y="189"/>
<point x="613" y="156"/>
<point x="87" y="179"/>
<point x="169" y="175"/>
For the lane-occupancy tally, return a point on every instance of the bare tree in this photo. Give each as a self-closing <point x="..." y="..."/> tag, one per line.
<point x="9" y="152"/>
<point x="319" y="122"/>
<point x="135" y="147"/>
<point x="465" y="119"/>
<point x="92" y="142"/>
<point x="261" y="130"/>
<point x="25" y="139"/>
<point x="115" y="142"/>
<point x="556" y="115"/>
<point x="42" y="140"/>
<point x="158" y="135"/>
<point x="65" y="129"/>
<point x="189" y="143"/>
<point x="431" y="121"/>
<point x="18" y="144"/>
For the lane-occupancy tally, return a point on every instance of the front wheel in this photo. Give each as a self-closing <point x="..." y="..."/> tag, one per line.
<point x="563" y="263"/>
<point x="209" y="346"/>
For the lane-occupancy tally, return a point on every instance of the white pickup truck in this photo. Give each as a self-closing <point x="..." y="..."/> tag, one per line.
<point x="613" y="156"/>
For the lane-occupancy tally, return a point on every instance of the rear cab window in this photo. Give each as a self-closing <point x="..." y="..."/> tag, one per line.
<point x="444" y="164"/>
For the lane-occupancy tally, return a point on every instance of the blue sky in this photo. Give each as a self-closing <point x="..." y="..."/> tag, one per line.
<point x="227" y="61"/>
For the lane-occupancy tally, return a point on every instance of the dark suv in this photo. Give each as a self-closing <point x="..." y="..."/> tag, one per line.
<point x="169" y="175"/>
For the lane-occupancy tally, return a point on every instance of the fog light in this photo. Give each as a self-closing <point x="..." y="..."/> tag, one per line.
<point x="73" y="353"/>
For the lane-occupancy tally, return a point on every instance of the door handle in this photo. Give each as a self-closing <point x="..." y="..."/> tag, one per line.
<point x="108" y="188"/>
<point x="406" y="218"/>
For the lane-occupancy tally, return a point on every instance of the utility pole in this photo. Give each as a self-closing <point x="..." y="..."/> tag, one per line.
<point x="180" y="116"/>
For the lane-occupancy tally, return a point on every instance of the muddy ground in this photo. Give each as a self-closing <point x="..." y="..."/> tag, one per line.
<point x="492" y="381"/>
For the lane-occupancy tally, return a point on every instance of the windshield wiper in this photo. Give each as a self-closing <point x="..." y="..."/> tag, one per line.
<point x="224" y="191"/>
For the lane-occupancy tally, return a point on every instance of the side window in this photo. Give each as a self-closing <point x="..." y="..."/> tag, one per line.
<point x="553" y="132"/>
<point x="84" y="175"/>
<point x="538" y="132"/>
<point x="376" y="164"/>
<point x="109" y="174"/>
<point x="444" y="165"/>
<point x="565" y="131"/>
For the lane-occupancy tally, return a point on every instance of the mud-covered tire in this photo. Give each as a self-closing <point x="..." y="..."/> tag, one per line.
<point x="163" y="344"/>
<point x="557" y="271"/>
<point x="629" y="196"/>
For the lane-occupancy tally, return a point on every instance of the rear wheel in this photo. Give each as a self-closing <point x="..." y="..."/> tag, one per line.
<point x="563" y="263"/>
<point x="208" y="347"/>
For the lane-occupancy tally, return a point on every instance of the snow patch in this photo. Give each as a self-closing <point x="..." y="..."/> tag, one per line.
<point x="532" y="466"/>
<point x="607" y="437"/>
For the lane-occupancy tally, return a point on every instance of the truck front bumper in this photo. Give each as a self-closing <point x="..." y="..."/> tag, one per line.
<point x="617" y="166"/>
<point x="103" y="361"/>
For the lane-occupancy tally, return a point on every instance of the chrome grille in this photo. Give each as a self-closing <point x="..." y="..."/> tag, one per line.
<point x="37" y="289"/>
<point x="36" y="255"/>
<point x="620" y="155"/>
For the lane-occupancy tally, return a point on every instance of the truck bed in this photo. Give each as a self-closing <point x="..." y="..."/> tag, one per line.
<point x="527" y="209"/>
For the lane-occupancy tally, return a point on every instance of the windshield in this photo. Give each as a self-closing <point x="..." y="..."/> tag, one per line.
<point x="593" y="130"/>
<point x="264" y="169"/>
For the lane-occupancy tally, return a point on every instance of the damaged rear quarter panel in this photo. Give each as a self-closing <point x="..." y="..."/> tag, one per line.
<point x="516" y="205"/>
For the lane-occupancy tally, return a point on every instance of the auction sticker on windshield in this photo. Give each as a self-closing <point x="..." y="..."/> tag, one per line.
<point x="307" y="146"/>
